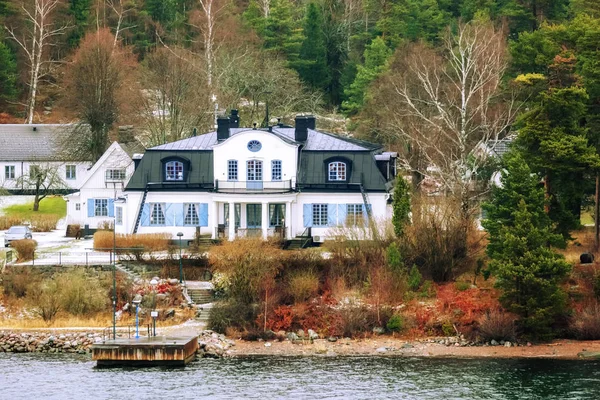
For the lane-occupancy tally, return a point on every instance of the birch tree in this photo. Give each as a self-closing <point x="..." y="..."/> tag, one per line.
<point x="207" y="22"/>
<point x="447" y="106"/>
<point x="36" y="35"/>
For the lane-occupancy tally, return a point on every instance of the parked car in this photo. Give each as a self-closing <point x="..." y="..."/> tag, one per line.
<point x="17" y="232"/>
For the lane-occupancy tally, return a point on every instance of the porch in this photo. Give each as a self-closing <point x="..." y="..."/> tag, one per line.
<point x="252" y="219"/>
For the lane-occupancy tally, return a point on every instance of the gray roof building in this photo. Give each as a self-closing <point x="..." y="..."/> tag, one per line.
<point x="32" y="142"/>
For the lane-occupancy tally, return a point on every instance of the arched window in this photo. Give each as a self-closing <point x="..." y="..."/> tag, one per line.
<point x="337" y="171"/>
<point x="174" y="171"/>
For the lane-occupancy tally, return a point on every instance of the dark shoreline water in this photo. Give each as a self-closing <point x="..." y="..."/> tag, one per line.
<point x="62" y="376"/>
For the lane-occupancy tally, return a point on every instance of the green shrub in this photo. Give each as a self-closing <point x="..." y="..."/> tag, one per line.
<point x="414" y="278"/>
<point x="303" y="285"/>
<point x="448" y="328"/>
<point x="427" y="290"/>
<point x="395" y="323"/>
<point x="462" y="286"/>
<point x="25" y="249"/>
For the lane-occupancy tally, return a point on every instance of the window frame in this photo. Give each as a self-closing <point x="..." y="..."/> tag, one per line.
<point x="9" y="172"/>
<point x="276" y="170"/>
<point x="320" y="214"/>
<point x="99" y="206"/>
<point x="333" y="174"/>
<point x="356" y="216"/>
<point x="277" y="214"/>
<point x="115" y="174"/>
<point x="160" y="214"/>
<point x="176" y="175"/>
<point x="194" y="217"/>
<point x="70" y="172"/>
<point x="257" y="170"/>
<point x="77" y="206"/>
<point x="232" y="170"/>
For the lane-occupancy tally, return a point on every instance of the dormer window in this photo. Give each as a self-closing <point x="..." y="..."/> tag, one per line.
<point x="174" y="171"/>
<point x="337" y="171"/>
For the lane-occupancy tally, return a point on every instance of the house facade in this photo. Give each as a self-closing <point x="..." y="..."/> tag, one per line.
<point x="25" y="148"/>
<point x="238" y="182"/>
<point x="94" y="204"/>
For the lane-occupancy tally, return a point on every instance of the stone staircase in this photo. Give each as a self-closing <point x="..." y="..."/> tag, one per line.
<point x="202" y="298"/>
<point x="299" y="242"/>
<point x="128" y="271"/>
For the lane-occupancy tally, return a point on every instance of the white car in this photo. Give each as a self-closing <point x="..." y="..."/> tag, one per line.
<point x="17" y="232"/>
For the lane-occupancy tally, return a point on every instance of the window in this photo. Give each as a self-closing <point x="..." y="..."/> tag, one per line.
<point x="9" y="172"/>
<point x="100" y="207"/>
<point x="276" y="214"/>
<point x="276" y="170"/>
<point x="77" y="206"/>
<point x="174" y="171"/>
<point x="253" y="216"/>
<point x="157" y="214"/>
<point x="119" y="216"/>
<point x="255" y="170"/>
<point x="319" y="212"/>
<point x="337" y="171"/>
<point x="354" y="214"/>
<point x="115" y="175"/>
<point x="232" y="170"/>
<point x="191" y="214"/>
<point x="71" y="171"/>
<point x="237" y="214"/>
<point x="254" y="146"/>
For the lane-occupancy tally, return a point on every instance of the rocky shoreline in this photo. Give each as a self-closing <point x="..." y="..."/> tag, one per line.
<point x="214" y="345"/>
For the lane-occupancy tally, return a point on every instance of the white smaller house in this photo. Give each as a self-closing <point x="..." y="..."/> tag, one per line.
<point x="93" y="205"/>
<point x="24" y="147"/>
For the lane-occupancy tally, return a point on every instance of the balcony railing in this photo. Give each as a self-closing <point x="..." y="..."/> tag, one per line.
<point x="223" y="186"/>
<point x="222" y="232"/>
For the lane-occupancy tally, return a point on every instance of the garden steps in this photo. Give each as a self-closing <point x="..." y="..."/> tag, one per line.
<point x="128" y="271"/>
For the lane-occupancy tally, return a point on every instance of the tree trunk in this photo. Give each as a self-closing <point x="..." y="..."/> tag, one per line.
<point x="36" y="202"/>
<point x="596" y="214"/>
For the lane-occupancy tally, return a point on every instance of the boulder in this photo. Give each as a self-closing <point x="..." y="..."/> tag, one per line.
<point x="312" y="335"/>
<point x="586" y="258"/>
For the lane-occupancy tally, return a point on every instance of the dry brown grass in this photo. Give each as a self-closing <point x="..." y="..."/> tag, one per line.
<point x="63" y="320"/>
<point x="6" y="221"/>
<point x="44" y="222"/>
<point x="25" y="249"/>
<point x="148" y="241"/>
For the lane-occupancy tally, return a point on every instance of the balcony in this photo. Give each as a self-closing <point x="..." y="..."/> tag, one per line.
<point x="222" y="186"/>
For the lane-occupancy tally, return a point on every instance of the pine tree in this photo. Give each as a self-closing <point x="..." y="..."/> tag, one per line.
<point x="8" y="74"/>
<point x="312" y="61"/>
<point x="527" y="270"/>
<point x="377" y="55"/>
<point x="80" y="12"/>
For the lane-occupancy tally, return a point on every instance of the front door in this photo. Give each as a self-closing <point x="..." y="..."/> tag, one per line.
<point x="254" y="216"/>
<point x="255" y="175"/>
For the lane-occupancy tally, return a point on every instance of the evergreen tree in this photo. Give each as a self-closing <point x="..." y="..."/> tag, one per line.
<point x="80" y="12"/>
<point x="162" y="11"/>
<point x="377" y="55"/>
<point x="528" y="271"/>
<point x="401" y="206"/>
<point x="312" y="61"/>
<point x="8" y="74"/>
<point x="279" y="30"/>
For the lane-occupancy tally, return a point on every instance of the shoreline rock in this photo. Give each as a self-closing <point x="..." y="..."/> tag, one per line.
<point x="47" y="342"/>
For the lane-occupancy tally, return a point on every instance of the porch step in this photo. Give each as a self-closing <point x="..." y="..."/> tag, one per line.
<point x="299" y="242"/>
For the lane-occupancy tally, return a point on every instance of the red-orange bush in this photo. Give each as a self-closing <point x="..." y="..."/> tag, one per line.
<point x="280" y="319"/>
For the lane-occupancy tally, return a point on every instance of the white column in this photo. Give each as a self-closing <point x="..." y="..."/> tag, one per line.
<point x="288" y="220"/>
<point x="231" y="221"/>
<point x="265" y="220"/>
<point x="213" y="220"/>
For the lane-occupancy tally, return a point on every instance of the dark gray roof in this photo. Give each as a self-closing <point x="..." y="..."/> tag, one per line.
<point x="500" y="147"/>
<point x="20" y="142"/>
<point x="317" y="141"/>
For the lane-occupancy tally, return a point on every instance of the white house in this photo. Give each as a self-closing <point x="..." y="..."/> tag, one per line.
<point x="93" y="204"/>
<point x="238" y="182"/>
<point x="24" y="147"/>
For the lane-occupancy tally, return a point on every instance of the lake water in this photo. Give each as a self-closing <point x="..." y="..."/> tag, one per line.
<point x="60" y="376"/>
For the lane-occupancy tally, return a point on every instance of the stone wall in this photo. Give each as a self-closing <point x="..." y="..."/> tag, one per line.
<point x="46" y="342"/>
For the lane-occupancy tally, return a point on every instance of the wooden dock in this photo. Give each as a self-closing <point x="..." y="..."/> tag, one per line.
<point x="173" y="351"/>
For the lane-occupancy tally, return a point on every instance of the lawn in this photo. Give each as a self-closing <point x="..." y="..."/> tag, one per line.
<point x="54" y="205"/>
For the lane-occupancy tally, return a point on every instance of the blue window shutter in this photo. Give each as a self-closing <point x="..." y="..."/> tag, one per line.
<point x="111" y="207"/>
<point x="90" y="205"/>
<point x="169" y="215"/>
<point x="178" y="212"/>
<point x="332" y="215"/>
<point x="145" y="221"/>
<point x="307" y="216"/>
<point x="342" y="213"/>
<point x="203" y="214"/>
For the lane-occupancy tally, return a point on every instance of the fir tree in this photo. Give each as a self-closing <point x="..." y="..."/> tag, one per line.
<point x="376" y="62"/>
<point x="527" y="270"/>
<point x="312" y="61"/>
<point x="8" y="74"/>
<point x="401" y="206"/>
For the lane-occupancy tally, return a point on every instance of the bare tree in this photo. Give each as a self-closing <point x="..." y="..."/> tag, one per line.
<point x="34" y="38"/>
<point x="100" y="87"/>
<point x="42" y="179"/>
<point x="176" y="97"/>
<point x="448" y="108"/>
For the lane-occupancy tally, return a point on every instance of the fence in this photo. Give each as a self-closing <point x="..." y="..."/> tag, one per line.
<point x="71" y="258"/>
